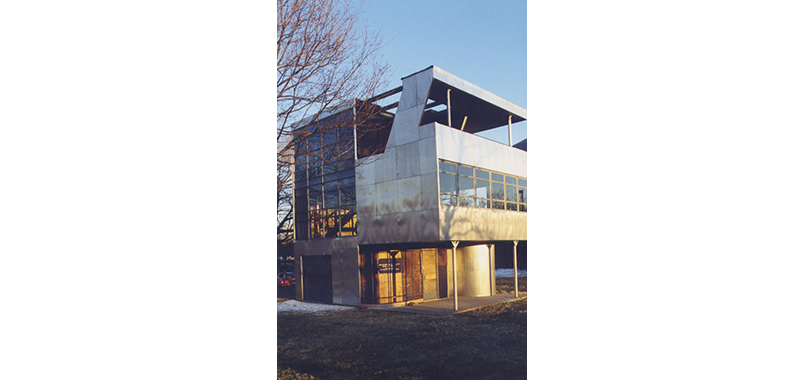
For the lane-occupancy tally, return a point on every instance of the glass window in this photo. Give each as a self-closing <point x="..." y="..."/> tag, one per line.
<point x="330" y="136"/>
<point x="346" y="173"/>
<point x="331" y="228"/>
<point x="347" y="162"/>
<point x="510" y="193"/>
<point x="348" y="222"/>
<point x="316" y="198"/>
<point x="347" y="189"/>
<point x="466" y="170"/>
<point x="331" y="167"/>
<point x="316" y="228"/>
<point x="497" y="190"/>
<point x="301" y="171"/>
<point x="447" y="167"/>
<point x="314" y="169"/>
<point x="466" y="186"/>
<point x="482" y="189"/>
<point x="448" y="183"/>
<point x="449" y="200"/>
<point x="314" y="143"/>
<point x="331" y="194"/>
<point x="301" y="203"/>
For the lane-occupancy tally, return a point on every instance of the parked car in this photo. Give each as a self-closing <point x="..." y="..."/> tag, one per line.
<point x="290" y="277"/>
<point x="282" y="282"/>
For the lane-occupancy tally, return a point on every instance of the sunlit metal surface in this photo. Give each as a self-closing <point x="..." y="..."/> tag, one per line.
<point x="473" y="271"/>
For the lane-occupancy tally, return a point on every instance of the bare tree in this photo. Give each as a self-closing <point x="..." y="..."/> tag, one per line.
<point x="324" y="60"/>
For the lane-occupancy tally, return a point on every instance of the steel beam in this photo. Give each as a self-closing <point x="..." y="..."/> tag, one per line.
<point x="384" y="95"/>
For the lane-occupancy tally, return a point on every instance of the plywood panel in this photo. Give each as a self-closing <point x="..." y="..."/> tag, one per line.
<point x="429" y="274"/>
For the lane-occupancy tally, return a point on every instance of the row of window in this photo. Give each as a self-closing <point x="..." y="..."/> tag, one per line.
<point x="325" y="185"/>
<point x="467" y="186"/>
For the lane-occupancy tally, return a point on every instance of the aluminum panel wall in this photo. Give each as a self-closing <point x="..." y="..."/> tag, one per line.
<point x="475" y="224"/>
<point x="345" y="271"/>
<point x="466" y="148"/>
<point x="400" y="202"/>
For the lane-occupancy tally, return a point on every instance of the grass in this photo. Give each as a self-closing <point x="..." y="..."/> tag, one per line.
<point x="488" y="343"/>
<point x="506" y="285"/>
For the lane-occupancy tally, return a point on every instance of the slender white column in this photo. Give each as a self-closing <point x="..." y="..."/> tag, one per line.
<point x="516" y="276"/>
<point x="454" y="275"/>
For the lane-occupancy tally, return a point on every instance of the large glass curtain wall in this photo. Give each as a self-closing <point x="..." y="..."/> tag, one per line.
<point x="468" y="186"/>
<point x="325" y="182"/>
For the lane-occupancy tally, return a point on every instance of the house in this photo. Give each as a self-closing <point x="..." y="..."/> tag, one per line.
<point x="411" y="208"/>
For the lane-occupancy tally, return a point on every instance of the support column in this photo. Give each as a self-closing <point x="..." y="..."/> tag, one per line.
<point x="516" y="276"/>
<point x="491" y="269"/>
<point x="455" y="275"/>
<point x="510" y="139"/>
<point x="300" y="279"/>
<point x="449" y="110"/>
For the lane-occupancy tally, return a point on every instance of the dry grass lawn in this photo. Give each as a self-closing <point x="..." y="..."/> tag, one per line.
<point x="488" y="343"/>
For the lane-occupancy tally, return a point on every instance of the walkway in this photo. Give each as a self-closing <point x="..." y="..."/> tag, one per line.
<point x="445" y="306"/>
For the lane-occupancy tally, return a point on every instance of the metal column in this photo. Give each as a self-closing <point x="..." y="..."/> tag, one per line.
<point x="491" y="269"/>
<point x="300" y="279"/>
<point x="516" y="276"/>
<point x="449" y="111"/>
<point x="510" y="139"/>
<point x="454" y="275"/>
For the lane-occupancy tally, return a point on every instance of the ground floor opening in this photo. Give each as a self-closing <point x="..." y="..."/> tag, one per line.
<point x="400" y="275"/>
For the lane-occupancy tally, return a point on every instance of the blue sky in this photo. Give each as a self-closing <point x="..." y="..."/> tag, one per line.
<point x="483" y="42"/>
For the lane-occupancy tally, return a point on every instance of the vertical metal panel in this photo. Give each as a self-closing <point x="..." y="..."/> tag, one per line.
<point x="473" y="270"/>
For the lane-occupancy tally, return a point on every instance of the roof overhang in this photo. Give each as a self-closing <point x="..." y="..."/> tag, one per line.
<point x="482" y="109"/>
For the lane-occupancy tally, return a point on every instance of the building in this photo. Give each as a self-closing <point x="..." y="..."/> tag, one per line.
<point x="411" y="208"/>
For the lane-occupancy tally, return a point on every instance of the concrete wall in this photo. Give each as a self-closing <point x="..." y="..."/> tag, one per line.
<point x="345" y="268"/>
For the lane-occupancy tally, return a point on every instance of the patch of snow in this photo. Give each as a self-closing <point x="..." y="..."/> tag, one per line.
<point x="509" y="272"/>
<point x="293" y="306"/>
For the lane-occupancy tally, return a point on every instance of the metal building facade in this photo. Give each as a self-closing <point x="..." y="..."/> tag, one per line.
<point x="434" y="187"/>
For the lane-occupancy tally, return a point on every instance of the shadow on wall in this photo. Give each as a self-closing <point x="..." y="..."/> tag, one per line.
<point x="468" y="228"/>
